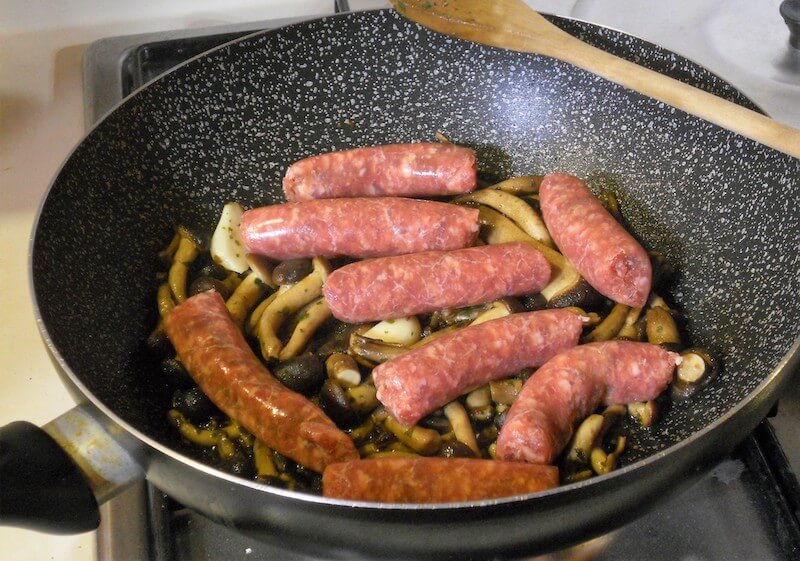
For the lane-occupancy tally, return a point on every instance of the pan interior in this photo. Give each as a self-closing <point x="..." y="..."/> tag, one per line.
<point x="223" y="127"/>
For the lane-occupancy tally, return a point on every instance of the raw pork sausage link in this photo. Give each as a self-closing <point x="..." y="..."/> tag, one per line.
<point x="406" y="170"/>
<point x="434" y="480"/>
<point x="603" y="252"/>
<point x="571" y="385"/>
<point x="358" y="227"/>
<point x="417" y="382"/>
<point x="215" y="353"/>
<point x="392" y="287"/>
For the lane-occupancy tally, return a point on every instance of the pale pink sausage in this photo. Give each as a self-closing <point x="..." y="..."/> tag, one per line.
<point x="602" y="251"/>
<point x="405" y="170"/>
<point x="217" y="356"/>
<point x="417" y="382"/>
<point x="434" y="480"/>
<point x="392" y="287"/>
<point x="571" y="385"/>
<point x="357" y="227"/>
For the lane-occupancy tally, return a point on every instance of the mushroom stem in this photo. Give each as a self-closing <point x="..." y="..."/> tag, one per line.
<point x="343" y="369"/>
<point x="164" y="299"/>
<point x="610" y="326"/>
<point x="311" y="318"/>
<point x="245" y="297"/>
<point x="187" y="252"/>
<point x="517" y="210"/>
<point x="262" y="457"/>
<point x="462" y="427"/>
<point x="287" y="304"/>
<point x="421" y="440"/>
<point x="522" y="185"/>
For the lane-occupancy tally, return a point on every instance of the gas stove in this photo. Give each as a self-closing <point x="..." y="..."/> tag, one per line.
<point x="747" y="507"/>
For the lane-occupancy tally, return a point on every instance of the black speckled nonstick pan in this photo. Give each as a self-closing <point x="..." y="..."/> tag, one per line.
<point x="722" y="209"/>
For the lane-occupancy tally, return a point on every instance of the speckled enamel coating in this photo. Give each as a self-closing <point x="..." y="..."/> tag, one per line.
<point x="224" y="127"/>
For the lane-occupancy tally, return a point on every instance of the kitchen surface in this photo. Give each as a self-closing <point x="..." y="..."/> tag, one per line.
<point x="42" y="116"/>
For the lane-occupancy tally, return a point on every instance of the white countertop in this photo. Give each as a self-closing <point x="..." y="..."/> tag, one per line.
<point x="41" y="119"/>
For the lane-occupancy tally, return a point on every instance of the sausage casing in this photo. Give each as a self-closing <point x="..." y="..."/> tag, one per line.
<point x="216" y="355"/>
<point x="392" y="287"/>
<point x="404" y="170"/>
<point x="434" y="480"/>
<point x="417" y="382"/>
<point x="602" y="251"/>
<point x="357" y="227"/>
<point x="571" y="385"/>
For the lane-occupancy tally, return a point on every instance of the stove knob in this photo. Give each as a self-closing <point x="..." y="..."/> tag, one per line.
<point x="790" y="10"/>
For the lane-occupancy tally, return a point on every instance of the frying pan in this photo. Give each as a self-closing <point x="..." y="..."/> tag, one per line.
<point x="722" y="209"/>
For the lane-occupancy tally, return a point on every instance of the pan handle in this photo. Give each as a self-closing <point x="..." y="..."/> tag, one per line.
<point x="54" y="478"/>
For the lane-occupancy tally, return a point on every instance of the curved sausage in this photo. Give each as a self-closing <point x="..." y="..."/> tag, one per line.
<point x="392" y="287"/>
<point x="358" y="227"/>
<point x="571" y="385"/>
<point x="215" y="353"/>
<point x="434" y="480"/>
<point x="603" y="252"/>
<point x="406" y="170"/>
<point x="417" y="382"/>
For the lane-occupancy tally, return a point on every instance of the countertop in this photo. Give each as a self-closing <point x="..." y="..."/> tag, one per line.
<point x="41" y="119"/>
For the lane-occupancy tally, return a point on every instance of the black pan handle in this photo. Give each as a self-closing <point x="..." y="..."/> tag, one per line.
<point x="41" y="487"/>
<point x="54" y="478"/>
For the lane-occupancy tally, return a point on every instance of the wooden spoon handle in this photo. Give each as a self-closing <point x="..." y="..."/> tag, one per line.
<point x="709" y="107"/>
<point x="511" y="24"/>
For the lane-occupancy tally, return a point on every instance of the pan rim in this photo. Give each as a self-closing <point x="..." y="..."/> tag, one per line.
<point x="767" y="389"/>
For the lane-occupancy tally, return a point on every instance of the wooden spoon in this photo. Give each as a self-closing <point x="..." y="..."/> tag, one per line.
<point x="511" y="24"/>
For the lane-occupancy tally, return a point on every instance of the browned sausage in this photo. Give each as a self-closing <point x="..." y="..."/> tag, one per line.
<point x="434" y="480"/>
<point x="392" y="287"/>
<point x="215" y="353"/>
<point x="404" y="170"/>
<point x="571" y="385"/>
<point x="419" y="381"/>
<point x="603" y="252"/>
<point x="358" y="227"/>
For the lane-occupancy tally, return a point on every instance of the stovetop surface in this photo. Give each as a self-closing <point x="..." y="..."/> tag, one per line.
<point x="745" y="508"/>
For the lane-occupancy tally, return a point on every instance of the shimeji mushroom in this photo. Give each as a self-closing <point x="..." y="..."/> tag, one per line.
<point x="697" y="368"/>
<point x="517" y="210"/>
<point x="522" y="185"/>
<point x="286" y="304"/>
<point x="566" y="287"/>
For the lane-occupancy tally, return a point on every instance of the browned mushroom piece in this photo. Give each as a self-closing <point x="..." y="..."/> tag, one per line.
<point x="697" y="368"/>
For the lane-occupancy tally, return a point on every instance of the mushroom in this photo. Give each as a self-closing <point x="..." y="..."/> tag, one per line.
<point x="343" y="369"/>
<point x="262" y="267"/>
<point x="371" y="352"/>
<point x="363" y="398"/>
<point x="164" y="300"/>
<point x="334" y="402"/>
<point x="697" y="368"/>
<point x="188" y="249"/>
<point x="590" y="434"/>
<point x="287" y="304"/>
<point x="462" y="427"/>
<point x="644" y="412"/>
<point x="524" y="184"/>
<point x="603" y="463"/>
<point x="520" y="212"/>
<point x="165" y="255"/>
<point x="610" y="326"/>
<point x="262" y="457"/>
<point x="311" y="318"/>
<point x="631" y="326"/>
<point x="245" y="297"/>
<point x="291" y="270"/>
<point x="498" y="309"/>
<point x="258" y="311"/>
<point x="421" y="440"/>
<point x="566" y="286"/>
<point x="455" y="316"/>
<point x="661" y="328"/>
<point x="303" y="374"/>
<point x="505" y="391"/>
